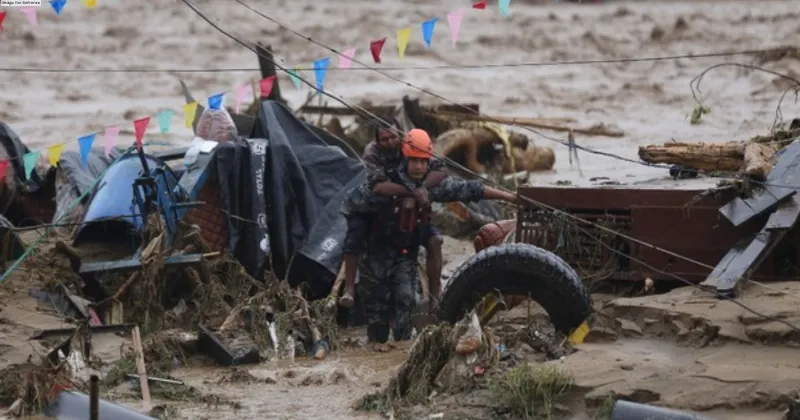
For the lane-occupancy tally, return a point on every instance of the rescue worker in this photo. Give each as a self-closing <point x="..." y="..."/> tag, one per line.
<point x="381" y="156"/>
<point x="389" y="267"/>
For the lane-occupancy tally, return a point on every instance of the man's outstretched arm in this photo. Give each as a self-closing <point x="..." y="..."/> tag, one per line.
<point x="454" y="189"/>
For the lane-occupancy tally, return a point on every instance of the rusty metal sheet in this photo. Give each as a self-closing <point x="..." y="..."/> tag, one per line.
<point x="784" y="179"/>
<point x="684" y="222"/>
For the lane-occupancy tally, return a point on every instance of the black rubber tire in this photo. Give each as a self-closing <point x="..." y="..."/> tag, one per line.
<point x="518" y="269"/>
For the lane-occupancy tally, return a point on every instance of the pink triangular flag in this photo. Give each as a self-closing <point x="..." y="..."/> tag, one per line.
<point x="30" y="14"/>
<point x="346" y="58"/>
<point x="454" y="22"/>
<point x="241" y="95"/>
<point x="109" y="136"/>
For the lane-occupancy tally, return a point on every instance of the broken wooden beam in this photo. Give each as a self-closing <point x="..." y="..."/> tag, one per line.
<point x="62" y="332"/>
<point x="745" y="258"/>
<point x="725" y="157"/>
<point x="380" y="109"/>
<point x="782" y="182"/>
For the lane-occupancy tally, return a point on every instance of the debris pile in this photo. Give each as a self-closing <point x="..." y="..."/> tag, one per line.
<point x="753" y="158"/>
<point x="486" y="363"/>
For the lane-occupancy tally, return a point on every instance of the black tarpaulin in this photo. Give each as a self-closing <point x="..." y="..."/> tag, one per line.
<point x="289" y="183"/>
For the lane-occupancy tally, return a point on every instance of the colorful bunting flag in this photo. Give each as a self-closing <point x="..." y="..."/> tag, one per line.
<point x="54" y="153"/>
<point x="454" y="22"/>
<point x="295" y="78"/>
<point x="402" y="42"/>
<point x="320" y="69"/>
<point x="3" y="169"/>
<point x="58" y="6"/>
<point x="427" y="30"/>
<point x="164" y="120"/>
<point x="139" y="127"/>
<point x="85" y="144"/>
<point x="375" y="47"/>
<point x="346" y="58"/>
<point x="189" y="112"/>
<point x="215" y="101"/>
<point x="265" y="85"/>
<point x="109" y="137"/>
<point x="29" y="162"/>
<point x="503" y="5"/>
<point x="241" y="95"/>
<point x="30" y="14"/>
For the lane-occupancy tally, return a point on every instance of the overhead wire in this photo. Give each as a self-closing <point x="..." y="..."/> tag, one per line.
<point x="471" y="110"/>
<point x="377" y="120"/>
<point x="434" y="67"/>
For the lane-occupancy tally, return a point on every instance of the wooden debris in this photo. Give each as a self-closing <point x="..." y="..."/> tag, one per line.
<point x="726" y="157"/>
<point x="140" y="366"/>
<point x="481" y="148"/>
<point x="553" y="124"/>
<point x="758" y="159"/>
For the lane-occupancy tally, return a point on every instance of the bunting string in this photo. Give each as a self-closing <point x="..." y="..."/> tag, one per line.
<point x="30" y="13"/>
<point x="109" y="136"/>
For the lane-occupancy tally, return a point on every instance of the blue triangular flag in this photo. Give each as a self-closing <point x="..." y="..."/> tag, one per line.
<point x="85" y="144"/>
<point x="427" y="30"/>
<point x="165" y="120"/>
<point x="503" y="5"/>
<point x="29" y="161"/>
<point x="215" y="102"/>
<point x="58" y="6"/>
<point x="320" y="68"/>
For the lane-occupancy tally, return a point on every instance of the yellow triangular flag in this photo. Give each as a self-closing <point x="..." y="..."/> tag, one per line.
<point x="402" y="41"/>
<point x="54" y="153"/>
<point x="90" y="3"/>
<point x="189" y="111"/>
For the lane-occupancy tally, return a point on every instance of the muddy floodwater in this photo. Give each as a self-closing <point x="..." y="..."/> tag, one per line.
<point x="302" y="389"/>
<point x="683" y="349"/>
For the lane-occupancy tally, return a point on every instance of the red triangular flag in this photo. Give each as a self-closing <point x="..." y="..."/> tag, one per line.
<point x="2" y="18"/>
<point x="140" y="126"/>
<point x="3" y="167"/>
<point x="266" y="86"/>
<point x="479" y="5"/>
<point x="375" y="47"/>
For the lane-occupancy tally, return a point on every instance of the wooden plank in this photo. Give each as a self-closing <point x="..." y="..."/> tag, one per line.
<point x="733" y="253"/>
<point x="784" y="179"/>
<point x="741" y="266"/>
<point x="785" y="217"/>
<point x="140" y="366"/>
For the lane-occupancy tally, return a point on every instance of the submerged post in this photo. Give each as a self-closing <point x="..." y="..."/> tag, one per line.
<point x="266" y="63"/>
<point x="94" y="398"/>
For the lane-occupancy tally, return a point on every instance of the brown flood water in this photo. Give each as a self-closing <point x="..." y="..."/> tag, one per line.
<point x="299" y="389"/>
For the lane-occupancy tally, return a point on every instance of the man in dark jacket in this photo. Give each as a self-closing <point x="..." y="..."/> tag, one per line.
<point x="381" y="156"/>
<point x="389" y="265"/>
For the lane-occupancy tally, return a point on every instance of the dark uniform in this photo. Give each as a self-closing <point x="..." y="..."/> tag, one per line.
<point x="378" y="163"/>
<point x="388" y="269"/>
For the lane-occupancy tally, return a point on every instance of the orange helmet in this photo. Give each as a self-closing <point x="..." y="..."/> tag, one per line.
<point x="417" y="145"/>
